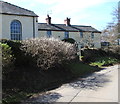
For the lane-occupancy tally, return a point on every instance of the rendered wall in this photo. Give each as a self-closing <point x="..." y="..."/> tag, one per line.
<point x="26" y="22"/>
<point x="76" y="36"/>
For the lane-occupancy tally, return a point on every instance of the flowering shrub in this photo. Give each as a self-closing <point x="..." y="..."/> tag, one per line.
<point x="49" y="52"/>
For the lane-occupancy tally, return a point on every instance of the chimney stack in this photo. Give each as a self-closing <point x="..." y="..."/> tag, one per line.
<point x="67" y="21"/>
<point x="48" y="20"/>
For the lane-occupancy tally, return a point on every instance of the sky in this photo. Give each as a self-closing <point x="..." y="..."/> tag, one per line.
<point x="95" y="13"/>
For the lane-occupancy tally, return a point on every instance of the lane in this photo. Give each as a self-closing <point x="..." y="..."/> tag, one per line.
<point x="101" y="86"/>
<point x="107" y="93"/>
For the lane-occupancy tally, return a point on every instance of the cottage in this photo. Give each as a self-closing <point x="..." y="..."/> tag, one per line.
<point x="83" y="35"/>
<point x="17" y="23"/>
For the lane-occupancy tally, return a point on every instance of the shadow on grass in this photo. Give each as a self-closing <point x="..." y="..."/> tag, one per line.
<point x="44" y="98"/>
<point x="90" y="81"/>
<point x="38" y="82"/>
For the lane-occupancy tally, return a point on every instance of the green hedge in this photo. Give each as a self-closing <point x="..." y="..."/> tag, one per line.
<point x="7" y="59"/>
<point x="25" y="75"/>
<point x="69" y="40"/>
<point x="91" y="55"/>
<point x="24" y="62"/>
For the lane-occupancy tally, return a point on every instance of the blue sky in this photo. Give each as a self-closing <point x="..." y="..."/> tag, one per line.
<point x="96" y="13"/>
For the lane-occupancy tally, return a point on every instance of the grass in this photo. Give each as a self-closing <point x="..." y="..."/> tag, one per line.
<point x="77" y="69"/>
<point x="58" y="77"/>
<point x="13" y="96"/>
<point x="81" y="69"/>
<point x="104" y="61"/>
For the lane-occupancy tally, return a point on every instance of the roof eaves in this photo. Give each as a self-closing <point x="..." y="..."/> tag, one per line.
<point x="20" y="14"/>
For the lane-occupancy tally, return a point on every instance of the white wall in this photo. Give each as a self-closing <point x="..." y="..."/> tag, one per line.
<point x="55" y="34"/>
<point x="36" y="26"/>
<point x="97" y="40"/>
<point x="42" y="34"/>
<point x="76" y="36"/>
<point x="0" y="26"/>
<point x="27" y="26"/>
<point x="58" y="34"/>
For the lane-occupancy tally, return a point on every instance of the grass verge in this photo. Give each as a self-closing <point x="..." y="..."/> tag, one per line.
<point x="104" y="61"/>
<point x="80" y="69"/>
<point x="52" y="80"/>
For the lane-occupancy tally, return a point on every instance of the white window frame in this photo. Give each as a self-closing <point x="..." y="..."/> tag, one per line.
<point x="16" y="30"/>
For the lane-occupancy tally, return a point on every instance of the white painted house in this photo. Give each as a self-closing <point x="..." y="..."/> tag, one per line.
<point x="83" y="35"/>
<point x="17" y="23"/>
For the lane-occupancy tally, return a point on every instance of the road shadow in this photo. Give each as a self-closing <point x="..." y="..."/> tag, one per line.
<point x="93" y="81"/>
<point x="45" y="98"/>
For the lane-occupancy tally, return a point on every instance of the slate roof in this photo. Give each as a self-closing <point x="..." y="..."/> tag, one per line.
<point x="11" y="9"/>
<point x="63" y="27"/>
<point x="87" y="28"/>
<point x="44" y="26"/>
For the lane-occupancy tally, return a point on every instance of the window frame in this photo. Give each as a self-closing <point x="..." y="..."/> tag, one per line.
<point x="92" y="35"/>
<point x="81" y="34"/>
<point x="16" y="30"/>
<point x="66" y="35"/>
<point x="49" y="33"/>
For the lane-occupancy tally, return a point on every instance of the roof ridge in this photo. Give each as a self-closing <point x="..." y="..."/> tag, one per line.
<point x="53" y="24"/>
<point x="83" y="25"/>
<point x="75" y="28"/>
<point x="70" y="25"/>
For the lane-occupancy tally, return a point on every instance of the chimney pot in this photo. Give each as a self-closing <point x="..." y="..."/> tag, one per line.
<point x="67" y="21"/>
<point x="48" y="20"/>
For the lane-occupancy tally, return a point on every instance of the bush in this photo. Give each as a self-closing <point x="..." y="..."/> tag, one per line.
<point x="92" y="55"/>
<point x="17" y="52"/>
<point x="69" y="40"/>
<point x="113" y="51"/>
<point x="49" y="52"/>
<point x="104" y="61"/>
<point x="7" y="59"/>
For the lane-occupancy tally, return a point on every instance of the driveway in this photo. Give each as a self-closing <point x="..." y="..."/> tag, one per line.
<point x="100" y="86"/>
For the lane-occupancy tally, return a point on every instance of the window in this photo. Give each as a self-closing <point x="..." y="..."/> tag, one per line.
<point x="92" y="45"/>
<point x="16" y="30"/>
<point x="49" y="33"/>
<point x="66" y="35"/>
<point x="81" y="34"/>
<point x="82" y="45"/>
<point x="92" y="35"/>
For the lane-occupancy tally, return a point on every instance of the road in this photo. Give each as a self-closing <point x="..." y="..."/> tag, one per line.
<point x="100" y="86"/>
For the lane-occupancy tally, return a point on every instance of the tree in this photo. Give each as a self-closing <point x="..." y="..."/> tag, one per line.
<point x="112" y="32"/>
